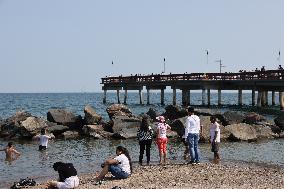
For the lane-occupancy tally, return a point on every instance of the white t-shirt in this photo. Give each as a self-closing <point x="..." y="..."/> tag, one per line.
<point x="213" y="128"/>
<point x="43" y="140"/>
<point x="123" y="163"/>
<point x="192" y="125"/>
<point x="162" y="130"/>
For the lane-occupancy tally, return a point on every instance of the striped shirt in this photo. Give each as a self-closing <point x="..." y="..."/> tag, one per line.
<point x="145" y="135"/>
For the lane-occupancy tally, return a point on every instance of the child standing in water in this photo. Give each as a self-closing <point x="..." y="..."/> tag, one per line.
<point x="162" y="139"/>
<point x="43" y="140"/>
<point x="215" y="138"/>
<point x="10" y="152"/>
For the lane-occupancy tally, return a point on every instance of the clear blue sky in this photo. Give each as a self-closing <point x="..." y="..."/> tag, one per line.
<point x="68" y="45"/>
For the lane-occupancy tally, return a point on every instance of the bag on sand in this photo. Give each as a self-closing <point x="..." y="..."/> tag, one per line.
<point x="23" y="182"/>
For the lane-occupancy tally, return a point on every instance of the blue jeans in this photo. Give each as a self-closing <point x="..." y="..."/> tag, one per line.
<point x="117" y="172"/>
<point x="192" y="139"/>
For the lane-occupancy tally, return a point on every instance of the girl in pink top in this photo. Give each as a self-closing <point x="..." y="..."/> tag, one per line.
<point x="162" y="139"/>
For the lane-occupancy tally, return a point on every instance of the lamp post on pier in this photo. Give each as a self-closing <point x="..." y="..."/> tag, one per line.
<point x="220" y="65"/>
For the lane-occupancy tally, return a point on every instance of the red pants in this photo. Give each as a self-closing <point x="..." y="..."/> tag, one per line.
<point x="162" y="144"/>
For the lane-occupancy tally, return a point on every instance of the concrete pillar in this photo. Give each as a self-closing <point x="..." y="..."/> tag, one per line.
<point x="148" y="96"/>
<point x="203" y="97"/>
<point x="208" y="97"/>
<point x="174" y="96"/>
<point x="140" y="96"/>
<point x="188" y="98"/>
<point x="117" y="94"/>
<point x="262" y="98"/>
<point x="162" y="96"/>
<point x="253" y="97"/>
<point x="281" y="100"/>
<point x="266" y="98"/>
<point x="240" y="99"/>
<point x="219" y="97"/>
<point x="183" y="97"/>
<point x="125" y="96"/>
<point x="105" y="95"/>
<point x="273" y="98"/>
<point x="259" y="99"/>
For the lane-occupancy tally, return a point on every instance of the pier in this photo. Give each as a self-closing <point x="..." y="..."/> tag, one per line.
<point x="260" y="82"/>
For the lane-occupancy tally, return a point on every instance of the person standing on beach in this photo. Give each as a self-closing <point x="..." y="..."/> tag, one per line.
<point x="145" y="136"/>
<point x="192" y="130"/>
<point x="162" y="139"/>
<point x="215" y="138"/>
<point x="10" y="152"/>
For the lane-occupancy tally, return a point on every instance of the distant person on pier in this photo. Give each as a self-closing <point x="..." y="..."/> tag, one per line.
<point x="215" y="138"/>
<point x="145" y="136"/>
<point x="11" y="152"/>
<point x="280" y="67"/>
<point x="162" y="139"/>
<point x="262" y="68"/>
<point x="193" y="130"/>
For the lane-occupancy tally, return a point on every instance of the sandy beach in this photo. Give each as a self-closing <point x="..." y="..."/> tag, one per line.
<point x="206" y="175"/>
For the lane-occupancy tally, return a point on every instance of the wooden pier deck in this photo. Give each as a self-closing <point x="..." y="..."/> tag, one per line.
<point x="259" y="81"/>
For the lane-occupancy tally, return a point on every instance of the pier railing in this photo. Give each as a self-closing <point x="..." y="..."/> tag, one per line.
<point x="257" y="75"/>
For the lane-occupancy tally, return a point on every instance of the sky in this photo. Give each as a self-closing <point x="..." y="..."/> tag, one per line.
<point x="69" y="45"/>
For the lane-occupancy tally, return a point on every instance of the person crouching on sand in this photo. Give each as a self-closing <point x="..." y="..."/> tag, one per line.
<point x="11" y="152"/>
<point x="215" y="138"/>
<point x="162" y="139"/>
<point x="120" y="166"/>
<point x="67" y="176"/>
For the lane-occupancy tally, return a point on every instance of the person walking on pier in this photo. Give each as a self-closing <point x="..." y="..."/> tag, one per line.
<point x="145" y="136"/>
<point x="192" y="131"/>
<point x="215" y="138"/>
<point x="162" y="139"/>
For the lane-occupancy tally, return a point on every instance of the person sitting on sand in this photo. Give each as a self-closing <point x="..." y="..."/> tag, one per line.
<point x="145" y="135"/>
<point x="67" y="176"/>
<point x="215" y="138"/>
<point x="10" y="152"/>
<point x="162" y="139"/>
<point x="120" y="166"/>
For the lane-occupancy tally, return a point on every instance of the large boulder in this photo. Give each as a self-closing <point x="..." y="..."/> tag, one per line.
<point x="118" y="110"/>
<point x="31" y="126"/>
<point x="126" y="127"/>
<point x="57" y="129"/>
<point x="252" y="118"/>
<point x="152" y="113"/>
<point x="70" y="134"/>
<point x="174" y="112"/>
<point x="241" y="131"/>
<point x="91" y="117"/>
<point x="264" y="131"/>
<point x="91" y="130"/>
<point x="178" y="126"/>
<point x="279" y="121"/>
<point x="231" y="117"/>
<point x="65" y="117"/>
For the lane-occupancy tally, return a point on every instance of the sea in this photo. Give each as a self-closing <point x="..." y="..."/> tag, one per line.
<point x="87" y="154"/>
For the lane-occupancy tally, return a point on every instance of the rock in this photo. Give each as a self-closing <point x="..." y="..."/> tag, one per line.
<point x="252" y="118"/>
<point x="172" y="134"/>
<point x="263" y="131"/>
<point x="126" y="127"/>
<point x="91" y="117"/>
<point x="57" y="129"/>
<point x="178" y="126"/>
<point x="70" y="134"/>
<point x="279" y="121"/>
<point x="152" y="113"/>
<point x="231" y="117"/>
<point x="281" y="135"/>
<point x="65" y="117"/>
<point x="31" y="126"/>
<point x="241" y="131"/>
<point x="91" y="130"/>
<point x="174" y="112"/>
<point x="118" y="110"/>
<point x="106" y="134"/>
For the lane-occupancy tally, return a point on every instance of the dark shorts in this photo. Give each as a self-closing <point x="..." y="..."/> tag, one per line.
<point x="40" y="148"/>
<point x="215" y="146"/>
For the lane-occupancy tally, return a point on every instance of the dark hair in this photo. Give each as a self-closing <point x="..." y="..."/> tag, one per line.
<point x="42" y="131"/>
<point x="190" y="109"/>
<point x="57" y="164"/>
<point x="10" y="144"/>
<point x="126" y="153"/>
<point x="144" y="126"/>
<point x="213" y="118"/>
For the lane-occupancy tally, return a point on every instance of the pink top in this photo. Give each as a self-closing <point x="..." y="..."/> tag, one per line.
<point x="162" y="130"/>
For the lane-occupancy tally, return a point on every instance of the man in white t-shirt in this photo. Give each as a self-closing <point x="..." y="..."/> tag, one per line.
<point x="192" y="130"/>
<point x="215" y="138"/>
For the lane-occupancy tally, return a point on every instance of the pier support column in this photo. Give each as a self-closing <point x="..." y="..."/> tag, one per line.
<point x="266" y="98"/>
<point x="219" y="97"/>
<point x="281" y="100"/>
<point x="183" y="97"/>
<point x="240" y="99"/>
<point x="148" y="96"/>
<point x="162" y="96"/>
<point x="188" y="98"/>
<point x="253" y="97"/>
<point x="203" y="97"/>
<point x="208" y="97"/>
<point x="105" y="96"/>
<point x="273" y="98"/>
<point x="140" y="96"/>
<point x="259" y="99"/>
<point x="125" y="96"/>
<point x="117" y="94"/>
<point x="263" y="98"/>
<point x="174" y="96"/>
